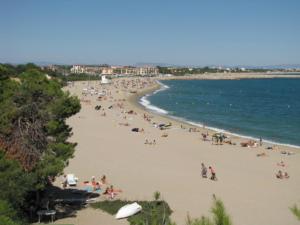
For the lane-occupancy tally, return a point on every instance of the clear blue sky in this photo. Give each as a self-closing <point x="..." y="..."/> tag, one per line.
<point x="199" y="32"/>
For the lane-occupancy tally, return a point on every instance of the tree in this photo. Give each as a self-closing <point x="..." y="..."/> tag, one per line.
<point x="33" y="133"/>
<point x="14" y="183"/>
<point x="7" y="214"/>
<point x="220" y="216"/>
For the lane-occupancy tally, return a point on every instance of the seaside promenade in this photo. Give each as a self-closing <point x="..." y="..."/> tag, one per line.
<point x="106" y="145"/>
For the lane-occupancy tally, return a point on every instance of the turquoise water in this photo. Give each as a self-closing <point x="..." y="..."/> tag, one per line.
<point x="267" y="108"/>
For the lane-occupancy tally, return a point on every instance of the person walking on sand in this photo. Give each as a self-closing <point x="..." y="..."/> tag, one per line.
<point x="213" y="173"/>
<point x="260" y="141"/>
<point x="203" y="170"/>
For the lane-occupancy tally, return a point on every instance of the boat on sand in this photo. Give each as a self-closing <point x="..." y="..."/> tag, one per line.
<point x="128" y="210"/>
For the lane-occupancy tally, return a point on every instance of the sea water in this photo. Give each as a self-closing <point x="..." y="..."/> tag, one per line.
<point x="254" y="108"/>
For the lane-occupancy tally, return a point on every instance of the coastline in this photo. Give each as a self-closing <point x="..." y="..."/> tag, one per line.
<point x="136" y="101"/>
<point x="230" y="76"/>
<point x="246" y="183"/>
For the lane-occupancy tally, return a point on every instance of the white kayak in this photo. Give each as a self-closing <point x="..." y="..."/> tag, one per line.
<point x="128" y="210"/>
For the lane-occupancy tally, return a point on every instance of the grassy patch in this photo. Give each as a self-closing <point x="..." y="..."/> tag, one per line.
<point x="153" y="212"/>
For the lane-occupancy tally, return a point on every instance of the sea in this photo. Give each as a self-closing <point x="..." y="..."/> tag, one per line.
<point x="250" y="108"/>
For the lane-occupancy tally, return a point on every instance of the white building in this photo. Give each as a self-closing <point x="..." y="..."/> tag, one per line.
<point x="77" y="69"/>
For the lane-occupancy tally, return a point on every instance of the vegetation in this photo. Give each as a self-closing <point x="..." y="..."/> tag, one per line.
<point x="220" y="216"/>
<point x="153" y="213"/>
<point x="158" y="212"/>
<point x="180" y="71"/>
<point x="184" y="70"/>
<point x="33" y="137"/>
<point x="296" y="211"/>
<point x="80" y="77"/>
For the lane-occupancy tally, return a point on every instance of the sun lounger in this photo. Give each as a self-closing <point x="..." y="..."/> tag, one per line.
<point x="50" y="213"/>
<point x="71" y="180"/>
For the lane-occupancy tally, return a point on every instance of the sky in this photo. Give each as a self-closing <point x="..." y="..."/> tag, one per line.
<point x="126" y="32"/>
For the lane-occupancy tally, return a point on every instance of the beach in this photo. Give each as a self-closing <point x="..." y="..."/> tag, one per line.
<point x="245" y="182"/>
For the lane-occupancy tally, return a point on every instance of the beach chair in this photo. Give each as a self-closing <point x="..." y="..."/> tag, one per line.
<point x="71" y="180"/>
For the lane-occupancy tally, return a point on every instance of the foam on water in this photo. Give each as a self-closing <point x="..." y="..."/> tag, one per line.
<point x="146" y="103"/>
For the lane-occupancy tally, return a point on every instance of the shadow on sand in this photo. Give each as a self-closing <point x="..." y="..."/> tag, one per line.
<point x="65" y="202"/>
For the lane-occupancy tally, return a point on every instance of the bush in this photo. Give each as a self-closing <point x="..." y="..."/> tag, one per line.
<point x="153" y="212"/>
<point x="220" y="216"/>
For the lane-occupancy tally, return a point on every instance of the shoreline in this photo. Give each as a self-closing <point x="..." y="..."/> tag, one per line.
<point x="135" y="100"/>
<point x="246" y="183"/>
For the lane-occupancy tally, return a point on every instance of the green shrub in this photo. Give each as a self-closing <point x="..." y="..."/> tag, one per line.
<point x="220" y="216"/>
<point x="153" y="212"/>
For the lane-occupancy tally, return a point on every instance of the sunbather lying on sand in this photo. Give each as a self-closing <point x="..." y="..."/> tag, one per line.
<point x="287" y="153"/>
<point x="137" y="129"/>
<point x="249" y="143"/>
<point x="261" y="154"/>
<point x="281" y="164"/>
<point x="280" y="175"/>
<point x="150" y="142"/>
<point x="111" y="192"/>
<point x="124" y="124"/>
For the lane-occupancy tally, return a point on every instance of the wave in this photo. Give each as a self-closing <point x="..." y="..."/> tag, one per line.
<point x="147" y="104"/>
<point x="162" y="87"/>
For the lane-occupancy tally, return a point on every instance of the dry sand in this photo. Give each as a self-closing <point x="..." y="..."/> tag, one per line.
<point x="246" y="183"/>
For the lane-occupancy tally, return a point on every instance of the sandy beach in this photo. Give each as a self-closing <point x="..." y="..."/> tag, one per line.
<point x="106" y="145"/>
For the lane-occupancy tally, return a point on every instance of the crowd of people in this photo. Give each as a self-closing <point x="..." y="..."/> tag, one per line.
<point x="94" y="185"/>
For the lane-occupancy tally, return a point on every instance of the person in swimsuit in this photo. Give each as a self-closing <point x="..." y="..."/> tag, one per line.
<point x="213" y="173"/>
